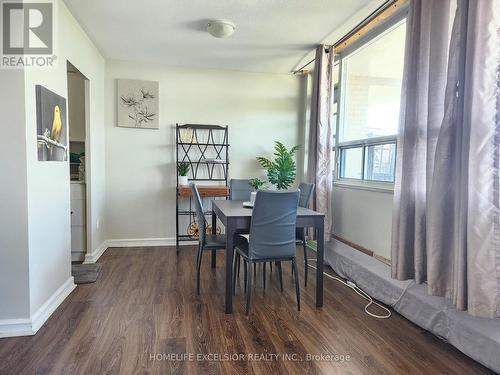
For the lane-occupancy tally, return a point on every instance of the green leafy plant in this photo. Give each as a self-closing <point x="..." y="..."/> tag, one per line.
<point x="256" y="183"/>
<point x="282" y="170"/>
<point x="183" y="169"/>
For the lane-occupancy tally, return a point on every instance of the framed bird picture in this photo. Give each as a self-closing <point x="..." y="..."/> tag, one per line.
<point x="52" y="137"/>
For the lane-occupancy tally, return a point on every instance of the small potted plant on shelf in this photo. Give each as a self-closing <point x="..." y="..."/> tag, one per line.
<point x="256" y="184"/>
<point x="280" y="171"/>
<point x="183" y="170"/>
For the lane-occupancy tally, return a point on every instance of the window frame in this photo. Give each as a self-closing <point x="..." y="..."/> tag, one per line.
<point x="362" y="183"/>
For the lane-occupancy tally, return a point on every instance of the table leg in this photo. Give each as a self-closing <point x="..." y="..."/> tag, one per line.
<point x="214" y="231"/>
<point x="230" y="230"/>
<point x="320" y="245"/>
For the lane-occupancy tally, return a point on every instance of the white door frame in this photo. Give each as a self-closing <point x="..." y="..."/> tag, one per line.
<point x="88" y="179"/>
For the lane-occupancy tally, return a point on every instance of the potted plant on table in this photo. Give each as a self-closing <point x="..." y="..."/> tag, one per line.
<point x="282" y="170"/>
<point x="183" y="170"/>
<point x="256" y="184"/>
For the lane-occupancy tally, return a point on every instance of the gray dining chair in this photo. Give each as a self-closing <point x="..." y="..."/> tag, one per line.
<point x="272" y="237"/>
<point x="306" y="191"/>
<point x="205" y="241"/>
<point x="239" y="189"/>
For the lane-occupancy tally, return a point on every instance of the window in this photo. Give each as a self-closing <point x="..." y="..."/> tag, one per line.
<point x="335" y="107"/>
<point x="370" y="92"/>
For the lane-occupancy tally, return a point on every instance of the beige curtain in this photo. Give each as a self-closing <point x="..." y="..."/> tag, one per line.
<point x="446" y="227"/>
<point x="320" y="151"/>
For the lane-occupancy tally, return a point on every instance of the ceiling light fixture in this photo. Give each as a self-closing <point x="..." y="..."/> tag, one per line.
<point x="221" y="28"/>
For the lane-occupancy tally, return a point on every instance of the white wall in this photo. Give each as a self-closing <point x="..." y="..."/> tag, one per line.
<point x="48" y="182"/>
<point x="14" y="281"/>
<point x="140" y="171"/>
<point x="364" y="217"/>
<point x="76" y="107"/>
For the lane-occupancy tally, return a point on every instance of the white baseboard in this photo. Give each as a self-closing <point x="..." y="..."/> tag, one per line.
<point x="15" y="327"/>
<point x="77" y="256"/>
<point x="46" y="310"/>
<point x="28" y="327"/>
<point x="133" y="242"/>
<point x="96" y="253"/>
<point x="141" y="242"/>
<point x="146" y="242"/>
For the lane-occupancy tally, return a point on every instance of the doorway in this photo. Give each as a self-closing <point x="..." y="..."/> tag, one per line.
<point x="78" y="106"/>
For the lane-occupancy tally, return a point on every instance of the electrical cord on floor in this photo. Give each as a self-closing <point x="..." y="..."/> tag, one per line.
<point x="359" y="291"/>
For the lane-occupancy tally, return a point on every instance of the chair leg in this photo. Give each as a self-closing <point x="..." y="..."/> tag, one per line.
<point x="198" y="269"/>
<point x="197" y="256"/>
<point x="245" y="271"/>
<point x="255" y="270"/>
<point x="264" y="275"/>
<point x="249" y="288"/>
<point x="236" y="261"/>
<point x="278" y="265"/>
<point x="306" y="265"/>
<point x="271" y="266"/>
<point x="297" y="289"/>
<point x="214" y="258"/>
<point x="238" y="267"/>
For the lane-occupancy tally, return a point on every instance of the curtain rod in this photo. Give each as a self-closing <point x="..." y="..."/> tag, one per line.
<point x="301" y="69"/>
<point x="367" y="19"/>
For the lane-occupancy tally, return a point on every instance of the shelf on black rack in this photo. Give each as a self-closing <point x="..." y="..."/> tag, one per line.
<point x="204" y="190"/>
<point x="186" y="237"/>
<point x="221" y="162"/>
<point x="202" y="127"/>
<point x="192" y="212"/>
<point x="203" y="144"/>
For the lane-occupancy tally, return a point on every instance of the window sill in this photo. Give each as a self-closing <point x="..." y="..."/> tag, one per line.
<point x="381" y="187"/>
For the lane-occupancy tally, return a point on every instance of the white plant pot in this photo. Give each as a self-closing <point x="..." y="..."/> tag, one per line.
<point x="253" y="194"/>
<point x="183" y="180"/>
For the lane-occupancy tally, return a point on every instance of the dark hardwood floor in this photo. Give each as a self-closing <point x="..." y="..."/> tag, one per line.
<point x="143" y="309"/>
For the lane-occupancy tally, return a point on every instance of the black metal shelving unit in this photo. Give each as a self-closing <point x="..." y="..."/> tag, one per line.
<point x="206" y="149"/>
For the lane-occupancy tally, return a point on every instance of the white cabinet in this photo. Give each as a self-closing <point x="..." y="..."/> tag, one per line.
<point x="78" y="221"/>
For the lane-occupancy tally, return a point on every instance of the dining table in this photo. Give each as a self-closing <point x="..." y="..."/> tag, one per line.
<point x="236" y="219"/>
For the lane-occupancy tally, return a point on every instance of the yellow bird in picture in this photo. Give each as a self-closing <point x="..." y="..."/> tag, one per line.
<point x="55" y="134"/>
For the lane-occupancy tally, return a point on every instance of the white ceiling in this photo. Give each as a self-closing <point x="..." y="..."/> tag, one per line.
<point x="271" y="35"/>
